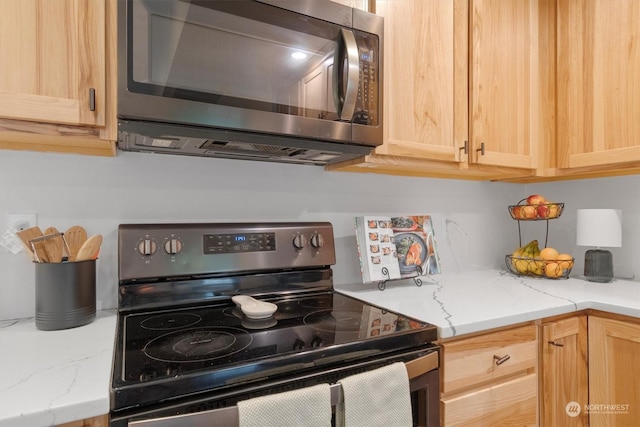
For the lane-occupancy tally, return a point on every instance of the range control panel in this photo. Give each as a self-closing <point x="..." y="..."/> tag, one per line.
<point x="194" y="249"/>
<point x="237" y="243"/>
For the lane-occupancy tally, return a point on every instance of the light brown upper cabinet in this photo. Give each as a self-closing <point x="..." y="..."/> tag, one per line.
<point x="510" y="90"/>
<point x="460" y="75"/>
<point x="598" y="83"/>
<point x="419" y="79"/>
<point x="54" y="84"/>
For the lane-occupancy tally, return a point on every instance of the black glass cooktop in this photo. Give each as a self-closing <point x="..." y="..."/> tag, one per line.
<point x="167" y="344"/>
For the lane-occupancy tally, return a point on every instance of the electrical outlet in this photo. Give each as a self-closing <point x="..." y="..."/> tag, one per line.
<point x="21" y="222"/>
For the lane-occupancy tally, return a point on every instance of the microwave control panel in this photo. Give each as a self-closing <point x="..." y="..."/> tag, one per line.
<point x="368" y="97"/>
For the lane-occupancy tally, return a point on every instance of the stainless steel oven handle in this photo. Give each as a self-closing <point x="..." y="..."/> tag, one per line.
<point x="347" y="101"/>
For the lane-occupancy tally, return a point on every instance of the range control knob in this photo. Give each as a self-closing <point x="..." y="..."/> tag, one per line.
<point x="317" y="241"/>
<point x="173" y="246"/>
<point x="299" y="241"/>
<point x="147" y="247"/>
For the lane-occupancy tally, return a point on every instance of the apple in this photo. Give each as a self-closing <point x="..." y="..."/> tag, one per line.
<point x="554" y="210"/>
<point x="535" y="199"/>
<point x="543" y="211"/>
<point x="516" y="212"/>
<point x="529" y="212"/>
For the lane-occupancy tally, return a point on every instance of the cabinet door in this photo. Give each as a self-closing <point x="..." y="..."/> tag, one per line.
<point x="509" y="74"/>
<point x="614" y="373"/>
<point x="425" y="105"/>
<point x="599" y="77"/>
<point x="53" y="57"/>
<point x="564" y="372"/>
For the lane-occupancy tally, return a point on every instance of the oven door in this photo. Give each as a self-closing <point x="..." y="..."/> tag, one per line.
<point x="252" y="66"/>
<point x="422" y="369"/>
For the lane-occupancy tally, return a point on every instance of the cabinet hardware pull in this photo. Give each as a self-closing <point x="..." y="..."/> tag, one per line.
<point x="465" y="147"/>
<point x="92" y="99"/>
<point x="557" y="344"/>
<point x="481" y="149"/>
<point x="500" y="360"/>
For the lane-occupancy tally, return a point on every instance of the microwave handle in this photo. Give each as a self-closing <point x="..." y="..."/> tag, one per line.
<point x="346" y="102"/>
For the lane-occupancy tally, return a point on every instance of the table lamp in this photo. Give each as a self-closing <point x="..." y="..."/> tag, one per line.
<point x="599" y="228"/>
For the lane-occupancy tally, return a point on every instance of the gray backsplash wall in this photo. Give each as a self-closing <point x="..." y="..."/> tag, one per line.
<point x="471" y="221"/>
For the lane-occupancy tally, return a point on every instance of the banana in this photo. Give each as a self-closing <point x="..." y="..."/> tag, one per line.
<point x="521" y="257"/>
<point x="537" y="266"/>
<point x="524" y="259"/>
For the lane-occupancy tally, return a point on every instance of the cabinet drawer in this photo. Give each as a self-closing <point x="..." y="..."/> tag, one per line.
<point x="473" y="361"/>
<point x="511" y="403"/>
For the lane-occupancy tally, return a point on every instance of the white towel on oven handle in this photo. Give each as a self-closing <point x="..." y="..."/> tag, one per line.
<point x="377" y="398"/>
<point x="310" y="406"/>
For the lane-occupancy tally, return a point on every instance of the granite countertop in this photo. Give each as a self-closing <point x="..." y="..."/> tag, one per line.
<point x="464" y="303"/>
<point x="53" y="377"/>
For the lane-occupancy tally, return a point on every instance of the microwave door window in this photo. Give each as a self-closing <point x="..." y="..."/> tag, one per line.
<point x="227" y="53"/>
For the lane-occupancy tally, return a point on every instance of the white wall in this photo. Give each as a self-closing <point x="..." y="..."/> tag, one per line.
<point x="471" y="220"/>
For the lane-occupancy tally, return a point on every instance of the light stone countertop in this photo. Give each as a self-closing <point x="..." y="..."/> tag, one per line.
<point x="464" y="303"/>
<point x="53" y="377"/>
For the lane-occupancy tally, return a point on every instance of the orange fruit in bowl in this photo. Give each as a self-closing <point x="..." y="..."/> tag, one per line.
<point x="565" y="261"/>
<point x="549" y="254"/>
<point x="552" y="269"/>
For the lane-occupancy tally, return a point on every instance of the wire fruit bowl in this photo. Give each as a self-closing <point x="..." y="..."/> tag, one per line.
<point x="539" y="212"/>
<point x="537" y="267"/>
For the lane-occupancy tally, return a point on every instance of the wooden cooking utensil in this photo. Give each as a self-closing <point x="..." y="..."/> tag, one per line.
<point x="54" y="245"/>
<point x="75" y="237"/>
<point x="25" y="236"/>
<point x="90" y="249"/>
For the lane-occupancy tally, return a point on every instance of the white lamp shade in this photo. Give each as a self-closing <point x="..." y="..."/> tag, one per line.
<point x="599" y="228"/>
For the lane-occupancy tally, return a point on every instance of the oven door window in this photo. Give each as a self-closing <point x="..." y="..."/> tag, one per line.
<point x="247" y="55"/>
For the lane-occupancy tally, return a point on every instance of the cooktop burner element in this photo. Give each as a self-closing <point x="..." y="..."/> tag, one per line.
<point x="317" y="303"/>
<point x="180" y="337"/>
<point x="194" y="345"/>
<point x="332" y="321"/>
<point x="170" y="321"/>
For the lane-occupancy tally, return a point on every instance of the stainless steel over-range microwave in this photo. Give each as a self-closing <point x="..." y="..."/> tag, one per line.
<point x="296" y="81"/>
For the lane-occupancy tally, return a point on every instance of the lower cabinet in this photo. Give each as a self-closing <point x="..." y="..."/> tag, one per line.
<point x="577" y="370"/>
<point x="614" y="372"/>
<point x="491" y="379"/>
<point x="563" y="373"/>
<point x="590" y="371"/>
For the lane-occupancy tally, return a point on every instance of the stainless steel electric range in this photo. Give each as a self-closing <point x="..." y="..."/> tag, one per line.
<point x="186" y="352"/>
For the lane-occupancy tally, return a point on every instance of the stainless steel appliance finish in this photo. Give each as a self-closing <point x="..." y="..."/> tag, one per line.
<point x="185" y="354"/>
<point x="272" y="80"/>
<point x="423" y="384"/>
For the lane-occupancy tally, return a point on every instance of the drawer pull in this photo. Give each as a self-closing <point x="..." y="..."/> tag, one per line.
<point x="557" y="344"/>
<point x="500" y="360"/>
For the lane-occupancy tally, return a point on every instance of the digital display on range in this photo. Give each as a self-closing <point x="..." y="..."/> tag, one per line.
<point x="239" y="243"/>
